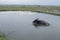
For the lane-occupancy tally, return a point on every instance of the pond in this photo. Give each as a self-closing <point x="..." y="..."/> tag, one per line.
<point x="17" y="25"/>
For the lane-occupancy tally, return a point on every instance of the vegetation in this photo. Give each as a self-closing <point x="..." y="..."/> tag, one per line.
<point x="2" y="37"/>
<point x="55" y="10"/>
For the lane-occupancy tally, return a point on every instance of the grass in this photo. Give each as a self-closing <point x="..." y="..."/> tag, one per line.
<point x="2" y="37"/>
<point x="54" y="10"/>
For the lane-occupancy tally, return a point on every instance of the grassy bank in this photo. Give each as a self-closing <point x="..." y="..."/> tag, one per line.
<point x="3" y="36"/>
<point x="54" y="10"/>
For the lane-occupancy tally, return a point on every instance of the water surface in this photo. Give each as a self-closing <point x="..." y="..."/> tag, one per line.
<point x="17" y="25"/>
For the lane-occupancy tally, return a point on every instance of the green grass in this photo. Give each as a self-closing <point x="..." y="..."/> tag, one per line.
<point x="3" y="37"/>
<point x="39" y="9"/>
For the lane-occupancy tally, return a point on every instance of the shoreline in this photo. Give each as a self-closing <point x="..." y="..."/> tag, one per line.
<point x="35" y="11"/>
<point x="53" y="10"/>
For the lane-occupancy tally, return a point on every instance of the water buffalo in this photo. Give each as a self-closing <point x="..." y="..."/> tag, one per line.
<point x="38" y="22"/>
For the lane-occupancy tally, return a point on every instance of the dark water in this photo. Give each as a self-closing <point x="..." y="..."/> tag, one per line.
<point x="17" y="25"/>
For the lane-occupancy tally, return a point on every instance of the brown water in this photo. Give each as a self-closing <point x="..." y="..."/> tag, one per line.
<point x="17" y="25"/>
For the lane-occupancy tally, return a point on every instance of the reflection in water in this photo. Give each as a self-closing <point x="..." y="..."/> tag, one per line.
<point x="40" y="25"/>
